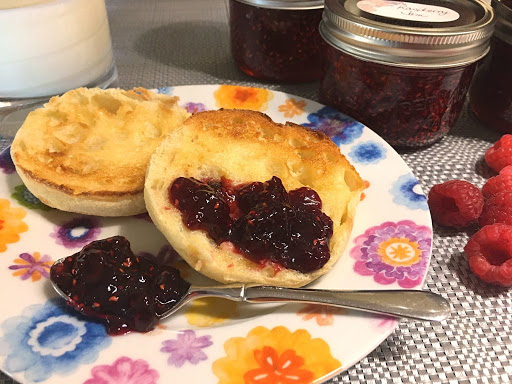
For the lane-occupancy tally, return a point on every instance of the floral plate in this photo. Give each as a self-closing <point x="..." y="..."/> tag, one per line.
<point x="211" y="340"/>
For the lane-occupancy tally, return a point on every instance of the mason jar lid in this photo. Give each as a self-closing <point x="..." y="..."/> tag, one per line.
<point x="285" y="4"/>
<point x="503" y="21"/>
<point x="413" y="33"/>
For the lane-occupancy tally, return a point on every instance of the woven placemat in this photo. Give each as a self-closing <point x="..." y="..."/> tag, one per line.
<point x="180" y="42"/>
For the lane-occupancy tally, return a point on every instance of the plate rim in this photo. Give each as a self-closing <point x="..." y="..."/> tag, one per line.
<point x="385" y="333"/>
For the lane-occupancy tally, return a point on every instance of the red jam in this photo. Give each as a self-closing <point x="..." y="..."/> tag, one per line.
<point x="281" y="45"/>
<point x="107" y="281"/>
<point x="406" y="106"/>
<point x="262" y="220"/>
<point x="403" y="68"/>
<point x="491" y="90"/>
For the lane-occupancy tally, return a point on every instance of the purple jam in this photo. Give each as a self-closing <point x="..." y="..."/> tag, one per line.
<point x="262" y="220"/>
<point x="281" y="45"/>
<point x="106" y="280"/>
<point x="491" y="90"/>
<point x="408" y="107"/>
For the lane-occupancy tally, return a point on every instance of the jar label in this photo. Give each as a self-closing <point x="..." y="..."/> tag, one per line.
<point x="405" y="10"/>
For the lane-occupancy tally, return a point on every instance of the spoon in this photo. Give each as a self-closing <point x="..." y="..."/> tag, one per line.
<point x="413" y="304"/>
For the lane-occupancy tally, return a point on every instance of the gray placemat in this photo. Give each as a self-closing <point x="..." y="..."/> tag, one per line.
<point x="179" y="42"/>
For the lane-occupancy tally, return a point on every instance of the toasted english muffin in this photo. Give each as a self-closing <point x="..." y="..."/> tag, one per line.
<point x="87" y="151"/>
<point x="244" y="147"/>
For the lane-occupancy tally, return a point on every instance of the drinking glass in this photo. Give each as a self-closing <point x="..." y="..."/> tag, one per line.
<point x="48" y="47"/>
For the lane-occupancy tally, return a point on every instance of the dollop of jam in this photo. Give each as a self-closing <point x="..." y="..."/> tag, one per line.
<point x="107" y="281"/>
<point x="262" y="220"/>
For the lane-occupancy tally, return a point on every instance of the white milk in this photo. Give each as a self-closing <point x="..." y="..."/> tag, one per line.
<point x="50" y="46"/>
<point x="5" y="4"/>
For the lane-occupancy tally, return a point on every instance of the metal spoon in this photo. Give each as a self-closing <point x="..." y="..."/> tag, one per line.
<point x="413" y="304"/>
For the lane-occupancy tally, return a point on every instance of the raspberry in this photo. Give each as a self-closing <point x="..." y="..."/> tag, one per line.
<point x="497" y="209"/>
<point x="500" y="154"/>
<point x="489" y="253"/>
<point x="497" y="184"/>
<point x="506" y="171"/>
<point x="455" y="203"/>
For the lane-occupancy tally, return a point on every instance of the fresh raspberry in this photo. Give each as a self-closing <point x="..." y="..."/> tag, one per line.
<point x="455" y="203"/>
<point x="506" y="171"/>
<point x="497" y="209"/>
<point x="489" y="253"/>
<point x="499" y="183"/>
<point x="500" y="154"/>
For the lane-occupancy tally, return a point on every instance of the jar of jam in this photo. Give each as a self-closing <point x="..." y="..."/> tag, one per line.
<point x="403" y="68"/>
<point x="277" y="40"/>
<point x="490" y="94"/>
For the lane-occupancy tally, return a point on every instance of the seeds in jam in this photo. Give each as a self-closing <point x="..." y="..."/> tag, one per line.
<point x="106" y="280"/>
<point x="408" y="107"/>
<point x="262" y="220"/>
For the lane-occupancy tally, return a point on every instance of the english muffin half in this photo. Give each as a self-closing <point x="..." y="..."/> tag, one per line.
<point x="226" y="155"/>
<point x="87" y="151"/>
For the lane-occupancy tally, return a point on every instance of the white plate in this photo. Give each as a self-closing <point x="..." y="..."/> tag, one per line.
<point x="211" y="342"/>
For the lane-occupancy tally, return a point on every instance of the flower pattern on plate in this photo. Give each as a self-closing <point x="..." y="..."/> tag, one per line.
<point x="11" y="224"/>
<point x="267" y="351"/>
<point x="235" y="96"/>
<point x="187" y="347"/>
<point x="124" y="371"/>
<point x="404" y="193"/>
<point x="393" y="252"/>
<point x="366" y="186"/>
<point x="338" y="126"/>
<point x="210" y="311"/>
<point x="50" y="339"/>
<point x="165" y="90"/>
<point x="383" y="321"/>
<point x="25" y="198"/>
<point x="292" y="107"/>
<point x="278" y="369"/>
<point x="6" y="164"/>
<point x="34" y="266"/>
<point x="369" y="152"/>
<point x="271" y="354"/>
<point x="77" y="232"/>
<point x="195" y="107"/>
<point x="323" y="314"/>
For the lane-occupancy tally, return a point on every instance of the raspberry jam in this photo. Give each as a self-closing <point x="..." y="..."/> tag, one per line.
<point x="107" y="281"/>
<point x="406" y="106"/>
<point x="403" y="68"/>
<point x="274" y="44"/>
<point x="491" y="90"/>
<point x="262" y="220"/>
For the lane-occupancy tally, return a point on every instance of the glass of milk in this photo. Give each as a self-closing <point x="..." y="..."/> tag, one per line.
<point x="48" y="47"/>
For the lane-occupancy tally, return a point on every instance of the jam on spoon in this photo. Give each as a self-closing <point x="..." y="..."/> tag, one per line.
<point x="107" y="281"/>
<point x="130" y="293"/>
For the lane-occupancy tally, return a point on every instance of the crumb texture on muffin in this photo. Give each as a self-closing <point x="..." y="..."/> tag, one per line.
<point x="244" y="147"/>
<point x="87" y="151"/>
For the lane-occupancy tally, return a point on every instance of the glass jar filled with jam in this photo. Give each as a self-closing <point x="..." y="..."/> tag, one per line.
<point x="277" y="40"/>
<point x="403" y="68"/>
<point x="490" y="94"/>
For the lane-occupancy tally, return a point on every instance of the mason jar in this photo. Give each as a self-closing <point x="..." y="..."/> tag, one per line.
<point x="491" y="91"/>
<point x="277" y="40"/>
<point x="403" y="68"/>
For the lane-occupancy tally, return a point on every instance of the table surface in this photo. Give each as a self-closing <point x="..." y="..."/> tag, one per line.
<point x="179" y="42"/>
